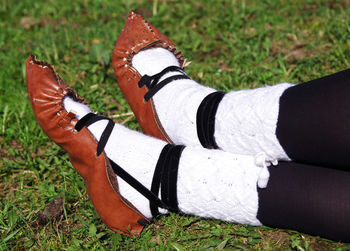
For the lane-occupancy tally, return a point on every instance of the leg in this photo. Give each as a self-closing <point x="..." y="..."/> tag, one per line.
<point x="314" y="121"/>
<point x="210" y="184"/>
<point x="310" y="199"/>
<point x="168" y="104"/>
<point x="171" y="106"/>
<point x="201" y="182"/>
<point x="307" y="122"/>
<point x="125" y="170"/>
<point x="221" y="185"/>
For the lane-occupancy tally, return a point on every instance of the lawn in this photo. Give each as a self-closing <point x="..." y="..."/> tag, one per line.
<point x="232" y="45"/>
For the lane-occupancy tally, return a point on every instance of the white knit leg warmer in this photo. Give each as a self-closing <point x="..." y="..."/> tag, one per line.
<point x="211" y="183"/>
<point x="245" y="121"/>
<point x="219" y="185"/>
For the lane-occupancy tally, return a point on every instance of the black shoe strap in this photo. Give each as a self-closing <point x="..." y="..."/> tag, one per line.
<point x="206" y="119"/>
<point x="91" y="118"/>
<point x="165" y="177"/>
<point x="153" y="84"/>
<point x="165" y="174"/>
<point x="120" y="172"/>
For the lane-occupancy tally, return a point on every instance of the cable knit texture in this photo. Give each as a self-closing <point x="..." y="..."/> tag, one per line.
<point x="246" y="121"/>
<point x="219" y="185"/>
<point x="211" y="183"/>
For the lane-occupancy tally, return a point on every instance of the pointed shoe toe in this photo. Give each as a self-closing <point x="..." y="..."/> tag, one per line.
<point x="138" y="35"/>
<point x="46" y="91"/>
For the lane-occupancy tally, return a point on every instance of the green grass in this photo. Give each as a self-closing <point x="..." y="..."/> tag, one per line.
<point x="232" y="45"/>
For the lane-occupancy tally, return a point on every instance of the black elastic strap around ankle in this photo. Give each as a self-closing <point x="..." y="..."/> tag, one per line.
<point x="206" y="119"/>
<point x="165" y="176"/>
<point x="153" y="84"/>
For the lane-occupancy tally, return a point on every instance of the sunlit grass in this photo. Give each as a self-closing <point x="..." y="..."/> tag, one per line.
<point x="232" y="45"/>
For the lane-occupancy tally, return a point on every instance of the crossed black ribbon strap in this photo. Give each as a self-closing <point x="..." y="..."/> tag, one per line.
<point x="165" y="173"/>
<point x="206" y="111"/>
<point x="153" y="84"/>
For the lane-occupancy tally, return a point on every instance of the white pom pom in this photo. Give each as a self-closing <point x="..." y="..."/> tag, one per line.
<point x="264" y="174"/>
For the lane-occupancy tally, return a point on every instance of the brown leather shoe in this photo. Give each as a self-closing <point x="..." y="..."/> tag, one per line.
<point x="46" y="92"/>
<point x="138" y="35"/>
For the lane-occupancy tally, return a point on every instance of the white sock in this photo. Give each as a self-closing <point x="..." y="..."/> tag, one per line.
<point x="177" y="102"/>
<point x="245" y="120"/>
<point x="79" y="109"/>
<point x="211" y="183"/>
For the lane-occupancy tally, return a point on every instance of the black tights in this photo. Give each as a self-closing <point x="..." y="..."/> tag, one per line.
<point x="314" y="121"/>
<point x="313" y="127"/>
<point x="310" y="199"/>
